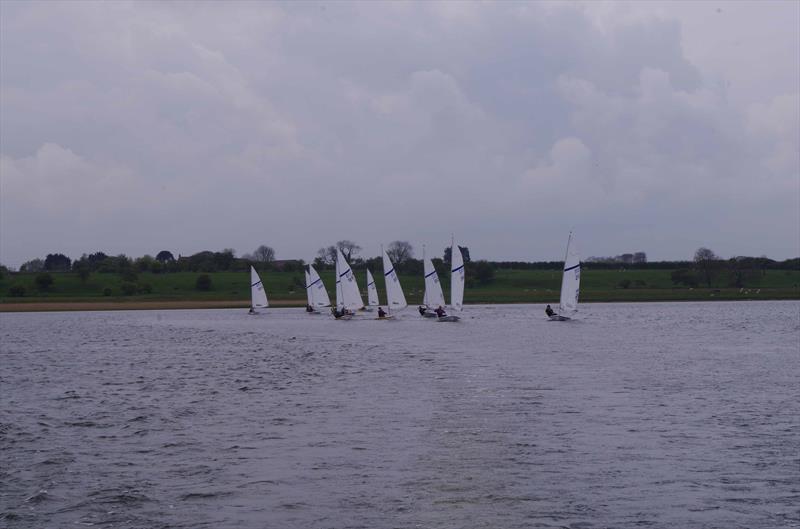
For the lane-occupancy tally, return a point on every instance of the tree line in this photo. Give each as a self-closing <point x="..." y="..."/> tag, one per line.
<point x="706" y="268"/>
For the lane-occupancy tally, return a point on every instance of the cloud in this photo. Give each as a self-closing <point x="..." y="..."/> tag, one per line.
<point x="201" y="126"/>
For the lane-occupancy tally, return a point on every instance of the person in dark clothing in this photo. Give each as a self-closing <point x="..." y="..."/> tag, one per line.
<point x="381" y="312"/>
<point x="336" y="313"/>
<point x="440" y="312"/>
<point x="421" y="310"/>
<point x="252" y="310"/>
<point x="309" y="308"/>
<point x="549" y="311"/>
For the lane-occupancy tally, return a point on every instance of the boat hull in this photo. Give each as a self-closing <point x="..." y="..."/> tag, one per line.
<point x="448" y="319"/>
<point x="557" y="317"/>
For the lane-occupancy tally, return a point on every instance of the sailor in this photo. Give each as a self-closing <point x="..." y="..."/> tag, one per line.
<point x="421" y="310"/>
<point x="381" y="312"/>
<point x="440" y="312"/>
<point x="549" y="311"/>
<point x="336" y="313"/>
<point x="309" y="308"/>
<point x="252" y="311"/>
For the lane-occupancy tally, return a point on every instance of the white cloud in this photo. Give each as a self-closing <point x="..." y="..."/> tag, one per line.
<point x="196" y="126"/>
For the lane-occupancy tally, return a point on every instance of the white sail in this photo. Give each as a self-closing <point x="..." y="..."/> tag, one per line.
<point x="351" y="297"/>
<point x="456" y="278"/>
<point x="309" y="294"/>
<point x="433" y="289"/>
<point x="394" y="292"/>
<point x="258" y="297"/>
<point x="571" y="280"/>
<point x="372" y="291"/>
<point x="316" y="288"/>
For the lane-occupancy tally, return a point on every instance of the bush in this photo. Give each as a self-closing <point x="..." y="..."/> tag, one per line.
<point x="625" y="283"/>
<point x="16" y="291"/>
<point x="128" y="288"/>
<point x="106" y="291"/>
<point x="145" y="288"/>
<point x="129" y="275"/>
<point x="203" y="282"/>
<point x="44" y="281"/>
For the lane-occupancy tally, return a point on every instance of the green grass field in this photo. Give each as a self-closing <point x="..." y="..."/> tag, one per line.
<point x="508" y="286"/>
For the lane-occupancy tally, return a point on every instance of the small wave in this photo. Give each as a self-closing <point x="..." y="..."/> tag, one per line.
<point x="203" y="495"/>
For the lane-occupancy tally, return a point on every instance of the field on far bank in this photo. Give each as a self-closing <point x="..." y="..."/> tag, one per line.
<point x="230" y="289"/>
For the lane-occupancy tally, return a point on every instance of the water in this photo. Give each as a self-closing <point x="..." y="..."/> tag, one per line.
<point x="656" y="415"/>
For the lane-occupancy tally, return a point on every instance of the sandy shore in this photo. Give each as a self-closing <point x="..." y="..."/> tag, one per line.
<point x="56" y="306"/>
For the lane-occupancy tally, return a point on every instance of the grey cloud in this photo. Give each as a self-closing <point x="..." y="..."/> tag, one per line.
<point x="133" y="127"/>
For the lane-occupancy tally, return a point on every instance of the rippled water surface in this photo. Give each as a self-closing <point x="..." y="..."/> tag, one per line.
<point x="637" y="415"/>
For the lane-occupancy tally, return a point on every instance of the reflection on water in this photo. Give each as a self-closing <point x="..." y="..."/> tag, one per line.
<point x="662" y="415"/>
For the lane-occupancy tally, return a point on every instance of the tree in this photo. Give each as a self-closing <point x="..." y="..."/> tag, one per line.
<point x="165" y="256"/>
<point x="464" y="253"/>
<point x="326" y="256"/>
<point x="44" y="281"/>
<point x="484" y="272"/>
<point x="264" y="254"/>
<point x="57" y="262"/>
<point x="82" y="269"/>
<point x="639" y="258"/>
<point x="707" y="264"/>
<point x="400" y="252"/>
<point x="34" y="265"/>
<point x="743" y="270"/>
<point x="348" y="248"/>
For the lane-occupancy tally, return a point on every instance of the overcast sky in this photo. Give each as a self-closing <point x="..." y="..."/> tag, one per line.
<point x="132" y="127"/>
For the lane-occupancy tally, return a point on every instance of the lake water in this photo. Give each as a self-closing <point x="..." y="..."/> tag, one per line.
<point x="637" y="415"/>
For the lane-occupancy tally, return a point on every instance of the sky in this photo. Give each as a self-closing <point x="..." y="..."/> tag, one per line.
<point x="135" y="127"/>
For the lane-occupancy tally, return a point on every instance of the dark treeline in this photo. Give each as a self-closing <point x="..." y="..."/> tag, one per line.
<point x="705" y="262"/>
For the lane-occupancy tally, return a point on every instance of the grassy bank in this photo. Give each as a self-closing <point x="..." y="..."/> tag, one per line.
<point x="286" y="288"/>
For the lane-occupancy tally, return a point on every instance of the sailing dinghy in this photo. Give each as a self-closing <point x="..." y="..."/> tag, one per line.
<point x="258" y="297"/>
<point x="372" y="293"/>
<point x="434" y="297"/>
<point x="456" y="283"/>
<point x="570" y="283"/>
<point x="315" y="291"/>
<point x="395" y="298"/>
<point x="348" y="298"/>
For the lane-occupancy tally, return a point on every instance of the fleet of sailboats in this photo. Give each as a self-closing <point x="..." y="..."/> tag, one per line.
<point x="348" y="296"/>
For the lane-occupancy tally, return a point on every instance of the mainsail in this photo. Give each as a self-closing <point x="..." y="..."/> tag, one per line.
<point x="571" y="280"/>
<point x="372" y="291"/>
<point x="346" y="282"/>
<point x="433" y="289"/>
<point x="456" y="278"/>
<point x="317" y="294"/>
<point x="394" y="292"/>
<point x="258" y="298"/>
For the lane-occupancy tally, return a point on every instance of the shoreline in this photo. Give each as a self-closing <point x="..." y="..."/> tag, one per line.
<point x="91" y="306"/>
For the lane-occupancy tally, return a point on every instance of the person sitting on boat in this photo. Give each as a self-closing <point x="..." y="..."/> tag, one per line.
<point x="381" y="312"/>
<point x="252" y="311"/>
<point x="346" y="312"/>
<point x="549" y="311"/>
<point x="422" y="309"/>
<point x="336" y="313"/>
<point x="440" y="312"/>
<point x="309" y="308"/>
